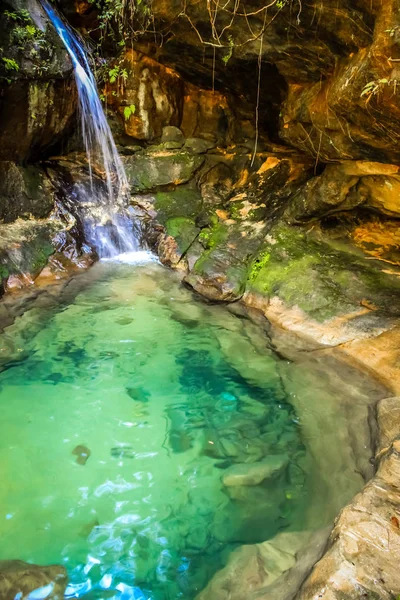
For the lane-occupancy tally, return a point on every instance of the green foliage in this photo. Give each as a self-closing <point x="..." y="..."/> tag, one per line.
<point x="228" y="55"/>
<point x="10" y="64"/>
<point x="20" y="16"/>
<point x="129" y="111"/>
<point x="373" y="88"/>
<point x="25" y="38"/>
<point x="21" y="35"/>
<point x="117" y="72"/>
<point x="121" y="18"/>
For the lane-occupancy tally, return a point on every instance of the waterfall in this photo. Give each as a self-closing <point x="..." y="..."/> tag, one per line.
<point x="105" y="221"/>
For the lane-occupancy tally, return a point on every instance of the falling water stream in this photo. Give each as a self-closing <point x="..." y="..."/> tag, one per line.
<point x="106" y="224"/>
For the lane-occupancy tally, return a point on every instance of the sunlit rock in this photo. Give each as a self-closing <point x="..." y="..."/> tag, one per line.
<point x="346" y="186"/>
<point x="148" y="98"/>
<point x="271" y="570"/>
<point x="365" y="544"/>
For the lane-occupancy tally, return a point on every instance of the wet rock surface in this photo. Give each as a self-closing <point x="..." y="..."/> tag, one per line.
<point x="24" y="249"/>
<point x="24" y="192"/>
<point x="361" y="560"/>
<point x="270" y="570"/>
<point x="38" y="94"/>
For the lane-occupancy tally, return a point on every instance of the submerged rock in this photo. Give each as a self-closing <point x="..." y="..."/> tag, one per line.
<point x="123" y="451"/>
<point x="138" y="394"/>
<point x="19" y="579"/>
<point x="82" y="454"/>
<point x="87" y="528"/>
<point x="255" y="473"/>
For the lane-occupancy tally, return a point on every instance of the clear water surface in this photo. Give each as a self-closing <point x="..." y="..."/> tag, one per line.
<point x="123" y="402"/>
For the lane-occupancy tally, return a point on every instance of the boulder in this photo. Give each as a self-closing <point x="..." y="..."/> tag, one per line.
<point x="197" y="145"/>
<point x="171" y="134"/>
<point x="305" y="276"/>
<point x="21" y="579"/>
<point x="250" y="198"/>
<point x="271" y="570"/>
<point x="24" y="249"/>
<point x="148" y="171"/>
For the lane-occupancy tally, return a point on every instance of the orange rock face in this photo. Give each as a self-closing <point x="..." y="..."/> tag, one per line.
<point x="147" y="98"/>
<point x="206" y="113"/>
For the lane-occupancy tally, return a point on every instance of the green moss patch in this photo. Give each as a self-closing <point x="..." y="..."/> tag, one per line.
<point x="147" y="171"/>
<point x="184" y="231"/>
<point x="323" y="282"/>
<point x="184" y="201"/>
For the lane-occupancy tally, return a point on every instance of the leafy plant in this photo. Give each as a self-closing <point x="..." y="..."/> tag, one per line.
<point x="121" y="18"/>
<point x="392" y="32"/>
<point x="10" y="64"/>
<point x="228" y="55"/>
<point x="28" y="33"/>
<point x="21" y="15"/>
<point x="116" y="72"/>
<point x="374" y="87"/>
<point x="129" y="111"/>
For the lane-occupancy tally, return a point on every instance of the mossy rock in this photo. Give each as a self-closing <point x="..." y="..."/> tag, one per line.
<point x="221" y="272"/>
<point x="184" y="231"/>
<point x="184" y="201"/>
<point x="324" y="282"/>
<point x="149" y="170"/>
<point x="25" y="246"/>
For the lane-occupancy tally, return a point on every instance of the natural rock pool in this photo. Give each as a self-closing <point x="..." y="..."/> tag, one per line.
<point x="145" y="435"/>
